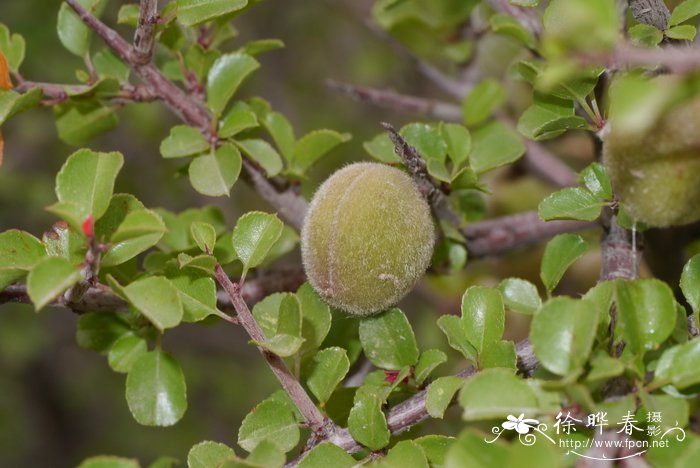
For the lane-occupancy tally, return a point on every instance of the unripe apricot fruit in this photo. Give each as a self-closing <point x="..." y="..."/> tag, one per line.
<point x="367" y="238"/>
<point x="655" y="172"/>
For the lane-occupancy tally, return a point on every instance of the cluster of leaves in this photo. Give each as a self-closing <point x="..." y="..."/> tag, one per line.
<point x="159" y="266"/>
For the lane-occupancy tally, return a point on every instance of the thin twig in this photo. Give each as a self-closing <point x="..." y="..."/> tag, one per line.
<point x="312" y="415"/>
<point x="62" y="92"/>
<point x="144" y="37"/>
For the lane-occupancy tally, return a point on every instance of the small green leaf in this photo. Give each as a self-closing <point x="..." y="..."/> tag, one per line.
<point x="326" y="455"/>
<point x="262" y="153"/>
<point x="684" y="32"/>
<point x="125" y="351"/>
<point x="155" y="390"/>
<point x="381" y="148"/>
<point x="197" y="292"/>
<point x="646" y="311"/>
<point x="562" y="334"/>
<point x="560" y="253"/>
<point x="253" y="237"/>
<point x="645" y="35"/>
<point x="440" y="395"/>
<point x="12" y="47"/>
<point x="494" y="145"/>
<point x="99" y="331"/>
<point x="548" y="117"/>
<point x="435" y="447"/>
<point x="108" y="461"/>
<point x="239" y="118"/>
<point x="72" y="32"/>
<point x="684" y="11"/>
<point x="208" y="454"/>
<point x="459" y="142"/>
<point x="483" y="316"/>
<point x="316" y="318"/>
<point x="327" y="369"/>
<point x="388" y="340"/>
<point x="261" y="46"/>
<point x="109" y="65"/>
<point x="266" y="454"/>
<point x="62" y="241"/>
<point x="19" y="252"/>
<point x="120" y="205"/>
<point x="427" y="362"/>
<point x="570" y="203"/>
<point x="690" y="282"/>
<point x="193" y="12"/>
<point x="225" y="76"/>
<point x="87" y="180"/>
<point x="678" y="366"/>
<point x="520" y="295"/>
<point x="451" y="326"/>
<point x="405" y="453"/>
<point x="482" y="101"/>
<point x="205" y="263"/>
<point x="155" y="297"/>
<point x="499" y="353"/>
<point x="426" y="139"/>
<point x="366" y="422"/>
<point x="204" y="235"/>
<point x="281" y="344"/>
<point x="525" y="3"/>
<point x="604" y="367"/>
<point x="182" y="141"/>
<point x="597" y="181"/>
<point x="49" y="279"/>
<point x="506" y="24"/>
<point x="496" y="393"/>
<point x="312" y="146"/>
<point x="12" y="103"/>
<point x="273" y="421"/>
<point x="280" y="130"/>
<point x="214" y="173"/>
<point x="139" y="231"/>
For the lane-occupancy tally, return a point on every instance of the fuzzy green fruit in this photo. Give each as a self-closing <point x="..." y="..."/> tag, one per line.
<point x="655" y="173"/>
<point x="367" y="238"/>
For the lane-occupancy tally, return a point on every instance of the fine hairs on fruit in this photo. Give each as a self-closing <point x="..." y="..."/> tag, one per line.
<point x="367" y="238"/>
<point x="654" y="171"/>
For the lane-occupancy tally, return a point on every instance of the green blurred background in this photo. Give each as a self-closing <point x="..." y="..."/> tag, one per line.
<point x="60" y="404"/>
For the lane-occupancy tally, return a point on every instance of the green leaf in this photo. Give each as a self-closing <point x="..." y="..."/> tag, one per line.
<point x="405" y="453"/>
<point x="62" y="241"/>
<point x="381" y="148"/>
<point x="262" y="153"/>
<point x="326" y="370"/>
<point x="483" y="316"/>
<point x="440" y="395"/>
<point x="179" y="237"/>
<point x="678" y="366"/>
<point x="12" y="47"/>
<point x="596" y="180"/>
<point x="494" y="145"/>
<point x="273" y="421"/>
<point x="78" y="122"/>
<point x="496" y="393"/>
<point x="562" y="334"/>
<point x="197" y="292"/>
<point x="366" y="422"/>
<point x="459" y="143"/>
<point x="525" y="3"/>
<point x="214" y="173"/>
<point x="645" y="35"/>
<point x="193" y="12"/>
<point x="674" y="410"/>
<point x="506" y="24"/>
<point x="452" y="327"/>
<point x="312" y="146"/>
<point x="281" y="344"/>
<point x="570" y="203"/>
<point x="684" y="11"/>
<point x="12" y="103"/>
<point x="109" y="65"/>
<point x="155" y="389"/>
<point x="99" y="331"/>
<point x="316" y="318"/>
<point x="19" y="252"/>
<point x="690" y="282"/>
<point x="182" y="141"/>
<point x="560" y="253"/>
<point x="108" y="461"/>
<point x="482" y="101"/>
<point x="426" y="139"/>
<point x="646" y="311"/>
<point x="238" y="119"/>
<point x="281" y="132"/>
<point x="499" y="353"/>
<point x="205" y="263"/>
<point x="520" y="295"/>
<point x="87" y="180"/>
<point x="427" y="362"/>
<point x="139" y="231"/>
<point x="208" y="454"/>
<point x="604" y="367"/>
<point x="326" y="455"/>
<point x="548" y="117"/>
<point x="266" y="454"/>
<point x="435" y="447"/>
<point x="253" y="237"/>
<point x="120" y="205"/>
<point x="49" y="279"/>
<point x="204" y="235"/>
<point x="225" y="76"/>
<point x="72" y="32"/>
<point x="261" y="46"/>
<point x="125" y="351"/>
<point x="155" y="297"/>
<point x="685" y="32"/>
<point x="388" y="340"/>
